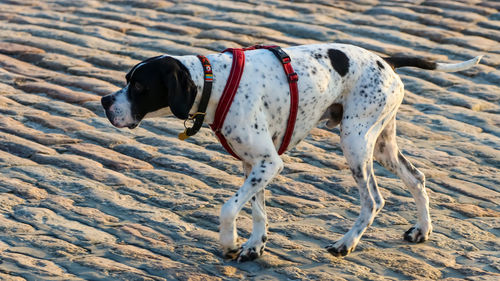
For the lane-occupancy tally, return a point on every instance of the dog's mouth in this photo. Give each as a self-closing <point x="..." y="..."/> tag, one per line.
<point x="133" y="126"/>
<point x="130" y="126"/>
<point x="115" y="121"/>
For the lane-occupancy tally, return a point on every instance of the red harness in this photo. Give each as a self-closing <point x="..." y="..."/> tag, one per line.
<point x="233" y="83"/>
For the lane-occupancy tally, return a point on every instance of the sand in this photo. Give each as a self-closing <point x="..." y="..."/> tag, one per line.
<point x="81" y="200"/>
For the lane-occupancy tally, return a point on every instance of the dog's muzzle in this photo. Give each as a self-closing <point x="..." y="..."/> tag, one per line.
<point x="107" y="103"/>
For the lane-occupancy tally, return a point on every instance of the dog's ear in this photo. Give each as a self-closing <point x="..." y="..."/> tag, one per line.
<point x="181" y="89"/>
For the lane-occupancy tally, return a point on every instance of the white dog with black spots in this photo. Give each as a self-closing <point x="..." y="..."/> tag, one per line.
<point x="340" y="83"/>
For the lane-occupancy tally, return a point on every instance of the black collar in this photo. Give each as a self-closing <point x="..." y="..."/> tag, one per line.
<point x="199" y="116"/>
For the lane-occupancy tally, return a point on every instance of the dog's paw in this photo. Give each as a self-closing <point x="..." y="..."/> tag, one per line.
<point x="250" y="254"/>
<point x="339" y="250"/>
<point x="232" y="254"/>
<point x="252" y="249"/>
<point x="416" y="235"/>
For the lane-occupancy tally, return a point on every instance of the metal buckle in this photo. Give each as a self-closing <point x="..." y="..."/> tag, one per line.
<point x="196" y="114"/>
<point x="184" y="135"/>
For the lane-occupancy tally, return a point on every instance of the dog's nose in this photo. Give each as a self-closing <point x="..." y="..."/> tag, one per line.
<point x="107" y="101"/>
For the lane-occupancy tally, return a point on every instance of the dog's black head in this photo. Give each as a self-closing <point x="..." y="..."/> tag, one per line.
<point x="154" y="84"/>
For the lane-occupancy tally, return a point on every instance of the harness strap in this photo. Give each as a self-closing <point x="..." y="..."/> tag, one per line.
<point x="228" y="96"/>
<point x="232" y="86"/>
<point x="199" y="116"/>
<point x="294" y="93"/>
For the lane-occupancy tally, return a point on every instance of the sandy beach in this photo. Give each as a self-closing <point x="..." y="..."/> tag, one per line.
<point x="83" y="200"/>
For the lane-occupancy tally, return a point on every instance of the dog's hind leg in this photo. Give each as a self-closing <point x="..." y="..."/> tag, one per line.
<point x="377" y="196"/>
<point x="357" y="144"/>
<point x="388" y="155"/>
<point x="366" y="111"/>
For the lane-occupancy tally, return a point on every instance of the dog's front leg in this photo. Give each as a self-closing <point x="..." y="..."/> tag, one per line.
<point x="256" y="244"/>
<point x="264" y="168"/>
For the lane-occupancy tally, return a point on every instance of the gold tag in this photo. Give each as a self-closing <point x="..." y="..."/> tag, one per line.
<point x="183" y="136"/>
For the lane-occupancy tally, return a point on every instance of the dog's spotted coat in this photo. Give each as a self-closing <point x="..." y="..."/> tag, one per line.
<point x="342" y="84"/>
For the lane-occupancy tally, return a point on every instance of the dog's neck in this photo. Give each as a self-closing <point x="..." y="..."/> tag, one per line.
<point x="221" y="65"/>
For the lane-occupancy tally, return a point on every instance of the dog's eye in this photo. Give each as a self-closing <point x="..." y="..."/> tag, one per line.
<point x="138" y="87"/>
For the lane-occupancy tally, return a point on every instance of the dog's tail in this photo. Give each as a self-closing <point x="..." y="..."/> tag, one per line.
<point x="397" y="62"/>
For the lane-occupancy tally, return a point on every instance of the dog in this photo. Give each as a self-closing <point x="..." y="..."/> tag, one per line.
<point x="342" y="84"/>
